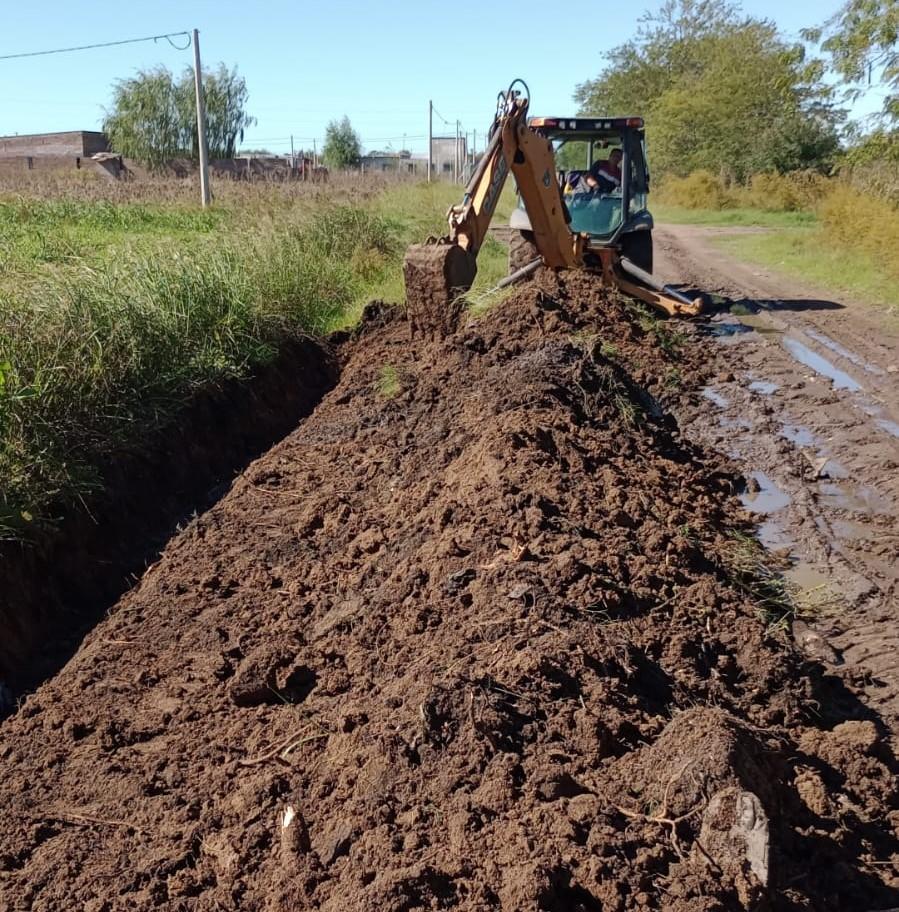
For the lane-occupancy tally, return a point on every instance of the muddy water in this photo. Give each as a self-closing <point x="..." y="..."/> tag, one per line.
<point x="855" y="498"/>
<point x="798" y="434"/>
<point x="765" y="496"/>
<point x="891" y="427"/>
<point x="844" y="352"/>
<point x="715" y="397"/>
<point x="825" y="439"/>
<point x="763" y="387"/>
<point x="840" y="379"/>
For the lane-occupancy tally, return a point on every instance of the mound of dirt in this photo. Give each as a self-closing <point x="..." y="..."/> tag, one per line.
<point x="467" y="639"/>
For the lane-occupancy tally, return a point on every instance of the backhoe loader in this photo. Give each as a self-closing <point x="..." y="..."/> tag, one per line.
<point x="565" y="220"/>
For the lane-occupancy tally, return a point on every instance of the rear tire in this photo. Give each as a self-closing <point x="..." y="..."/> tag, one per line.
<point x="637" y="247"/>
<point x="522" y="250"/>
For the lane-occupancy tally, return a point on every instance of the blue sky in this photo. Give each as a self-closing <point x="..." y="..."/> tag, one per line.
<point x="306" y="62"/>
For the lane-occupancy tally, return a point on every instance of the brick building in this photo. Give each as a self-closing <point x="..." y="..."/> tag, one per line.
<point x="69" y="144"/>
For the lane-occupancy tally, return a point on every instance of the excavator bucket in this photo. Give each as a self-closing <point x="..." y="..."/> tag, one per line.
<point x="436" y="275"/>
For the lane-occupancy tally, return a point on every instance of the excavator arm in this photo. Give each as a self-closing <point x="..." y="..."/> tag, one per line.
<point x="438" y="272"/>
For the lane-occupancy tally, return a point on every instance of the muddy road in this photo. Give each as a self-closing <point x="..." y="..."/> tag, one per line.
<point x="805" y="399"/>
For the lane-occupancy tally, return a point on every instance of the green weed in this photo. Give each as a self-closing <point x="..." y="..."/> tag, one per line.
<point x="752" y="570"/>
<point x="389" y="382"/>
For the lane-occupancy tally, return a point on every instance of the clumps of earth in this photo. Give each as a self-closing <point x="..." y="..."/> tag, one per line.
<point x="472" y="639"/>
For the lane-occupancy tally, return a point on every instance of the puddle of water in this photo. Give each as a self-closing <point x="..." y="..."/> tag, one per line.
<point x="758" y="323"/>
<point x="851" y="531"/>
<point x="804" y="355"/>
<point x="768" y="499"/>
<point x="798" y="434"/>
<point x="891" y="427"/>
<point x="728" y="328"/>
<point x="717" y="398"/>
<point x="764" y="387"/>
<point x="773" y="536"/>
<point x="833" y="468"/>
<point x="844" y="352"/>
<point x="805" y="577"/>
<point x="743" y="423"/>
<point x="860" y="499"/>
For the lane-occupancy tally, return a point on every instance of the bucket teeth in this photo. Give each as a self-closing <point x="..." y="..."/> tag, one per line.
<point x="436" y="275"/>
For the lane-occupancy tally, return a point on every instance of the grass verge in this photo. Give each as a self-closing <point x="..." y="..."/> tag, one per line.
<point x="115" y="312"/>
<point x="798" y="253"/>
<point x="680" y="215"/>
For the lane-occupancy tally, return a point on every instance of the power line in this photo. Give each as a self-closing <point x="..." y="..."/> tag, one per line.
<point x="88" y="47"/>
<point x="450" y="122"/>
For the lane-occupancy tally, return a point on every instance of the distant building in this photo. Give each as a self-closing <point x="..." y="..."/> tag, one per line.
<point x="443" y="155"/>
<point x="400" y="162"/>
<point x="72" y="149"/>
<point x="443" y="160"/>
<point x="70" y="144"/>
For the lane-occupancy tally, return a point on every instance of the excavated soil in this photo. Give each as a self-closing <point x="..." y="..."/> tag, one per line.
<point x="470" y="638"/>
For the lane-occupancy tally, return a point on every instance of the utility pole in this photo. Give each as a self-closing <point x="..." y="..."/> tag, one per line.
<point x="293" y="158"/>
<point x="457" y="169"/>
<point x="474" y="145"/>
<point x="314" y="154"/>
<point x="205" y="195"/>
<point x="430" y="137"/>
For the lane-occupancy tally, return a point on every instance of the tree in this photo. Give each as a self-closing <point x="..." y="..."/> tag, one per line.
<point x="343" y="148"/>
<point x="719" y="91"/>
<point x="153" y="116"/>
<point x="863" y="39"/>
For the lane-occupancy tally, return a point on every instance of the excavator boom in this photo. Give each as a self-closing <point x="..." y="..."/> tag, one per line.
<point x="438" y="272"/>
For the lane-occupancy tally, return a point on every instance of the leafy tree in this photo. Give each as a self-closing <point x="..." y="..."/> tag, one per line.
<point x="144" y="122"/>
<point x="861" y="39"/>
<point x="343" y="148"/>
<point x="153" y="116"/>
<point x="719" y="91"/>
<point x="226" y="119"/>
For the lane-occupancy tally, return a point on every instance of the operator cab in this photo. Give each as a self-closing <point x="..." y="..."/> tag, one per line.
<point x="616" y="216"/>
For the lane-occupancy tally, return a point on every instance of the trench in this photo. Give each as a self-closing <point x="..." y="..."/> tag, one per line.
<point x="57" y="588"/>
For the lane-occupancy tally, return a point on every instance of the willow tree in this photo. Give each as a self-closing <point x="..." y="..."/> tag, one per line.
<point x="152" y="118"/>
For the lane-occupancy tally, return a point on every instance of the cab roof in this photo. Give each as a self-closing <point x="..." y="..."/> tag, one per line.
<point x="587" y="124"/>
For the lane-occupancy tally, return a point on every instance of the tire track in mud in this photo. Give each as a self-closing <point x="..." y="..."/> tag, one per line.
<point x="805" y="399"/>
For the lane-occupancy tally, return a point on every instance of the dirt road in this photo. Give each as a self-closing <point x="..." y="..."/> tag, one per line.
<point x="806" y="401"/>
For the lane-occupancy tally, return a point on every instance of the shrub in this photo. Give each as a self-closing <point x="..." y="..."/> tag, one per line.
<point x="797" y="191"/>
<point x="862" y="222"/>
<point x="699" y="190"/>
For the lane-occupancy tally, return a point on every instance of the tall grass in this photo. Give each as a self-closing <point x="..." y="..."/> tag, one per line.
<point x="857" y="212"/>
<point x="863" y="223"/>
<point x="798" y="191"/>
<point x="112" y="315"/>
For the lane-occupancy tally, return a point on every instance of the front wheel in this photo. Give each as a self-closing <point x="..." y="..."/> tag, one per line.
<point x="522" y="250"/>
<point x="637" y="247"/>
